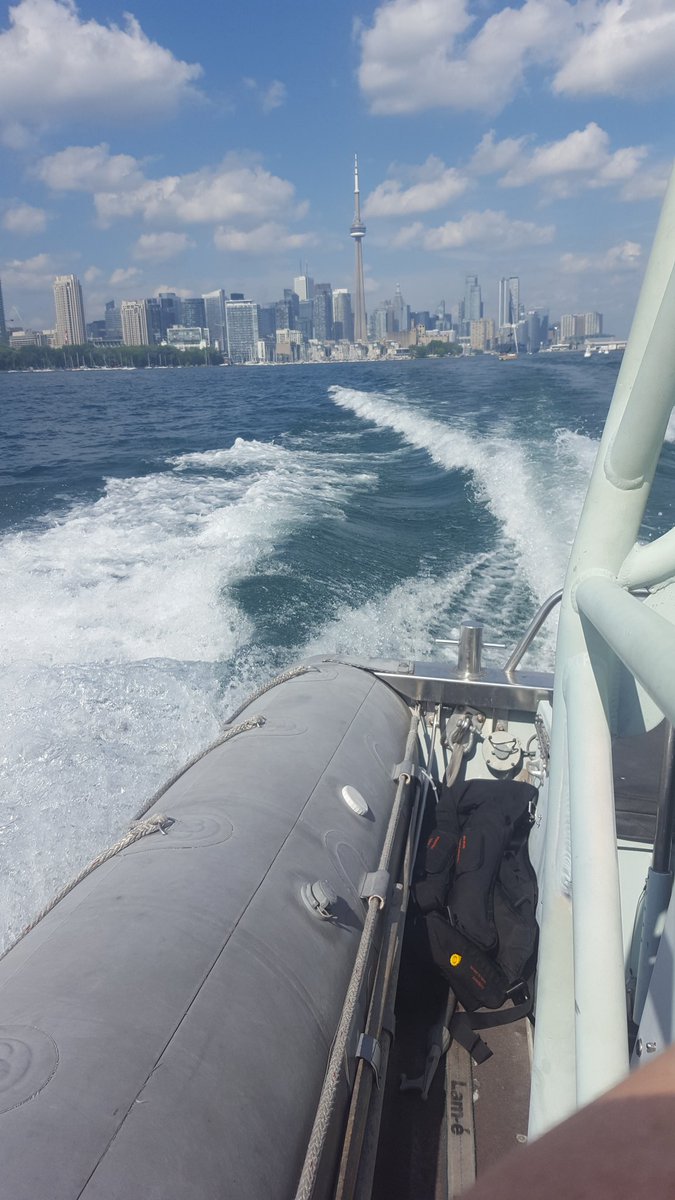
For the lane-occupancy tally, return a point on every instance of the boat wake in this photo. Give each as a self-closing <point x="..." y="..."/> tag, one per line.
<point x="130" y="633"/>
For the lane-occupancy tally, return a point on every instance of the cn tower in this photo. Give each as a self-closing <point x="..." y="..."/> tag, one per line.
<point x="358" y="232"/>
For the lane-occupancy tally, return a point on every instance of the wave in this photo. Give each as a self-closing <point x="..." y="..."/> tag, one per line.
<point x="144" y="572"/>
<point x="533" y="488"/>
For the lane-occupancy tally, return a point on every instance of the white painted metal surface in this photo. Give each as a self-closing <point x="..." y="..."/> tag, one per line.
<point x="601" y="627"/>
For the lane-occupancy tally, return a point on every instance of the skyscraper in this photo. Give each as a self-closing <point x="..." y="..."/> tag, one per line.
<point x="135" y="323"/>
<point x="193" y="312"/>
<point x="3" y="327"/>
<point x="113" y="322"/>
<point x="509" y="301"/>
<point x="401" y="312"/>
<point x="214" y="305"/>
<point x="323" y="312"/>
<point x="343" y="317"/>
<point x="170" y="313"/>
<point x="241" y="318"/>
<point x="473" y="302"/>
<point x="303" y="286"/>
<point x="358" y="232"/>
<point x="70" y="324"/>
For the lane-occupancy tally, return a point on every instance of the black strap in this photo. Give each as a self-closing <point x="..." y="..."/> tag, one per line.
<point x="503" y="1016"/>
<point x="463" y="1027"/>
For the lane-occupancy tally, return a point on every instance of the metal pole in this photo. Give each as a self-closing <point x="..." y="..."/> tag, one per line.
<point x="532" y="630"/>
<point x="470" y="649"/>
<point x="599" y="992"/>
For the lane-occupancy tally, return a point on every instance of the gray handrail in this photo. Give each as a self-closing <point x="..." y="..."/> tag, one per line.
<point x="532" y="631"/>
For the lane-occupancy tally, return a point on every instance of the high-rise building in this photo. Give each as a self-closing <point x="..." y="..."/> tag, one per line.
<point x="241" y="319"/>
<point x="473" y="302"/>
<point x="306" y="319"/>
<point x="154" y="315"/>
<point x="533" y="331"/>
<point x="96" y="331"/>
<point x="358" y="232"/>
<point x="214" y="306"/>
<point x="194" y="312"/>
<point x="343" y="317"/>
<point x="509" y="301"/>
<point x="567" y="327"/>
<point x="283" y="315"/>
<point x="482" y="334"/>
<point x="592" y="324"/>
<point x="294" y="301"/>
<point x="113" y="322"/>
<point x="3" y="327"/>
<point x="303" y="286"/>
<point x="401" y="312"/>
<point x="323" y="312"/>
<point x="267" y="321"/>
<point x="170" y="310"/>
<point x="71" y="329"/>
<point x="135" y="323"/>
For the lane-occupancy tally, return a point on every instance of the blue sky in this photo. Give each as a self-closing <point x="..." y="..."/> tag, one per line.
<point x="191" y="148"/>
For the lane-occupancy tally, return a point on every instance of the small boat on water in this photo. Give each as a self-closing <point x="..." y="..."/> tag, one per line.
<point x="233" y="1001"/>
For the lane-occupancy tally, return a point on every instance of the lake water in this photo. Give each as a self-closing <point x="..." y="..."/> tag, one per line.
<point x="172" y="538"/>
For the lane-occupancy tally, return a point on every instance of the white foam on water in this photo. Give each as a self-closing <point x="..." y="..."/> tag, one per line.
<point x="113" y="620"/>
<point x="144" y="571"/>
<point x="534" y="489"/>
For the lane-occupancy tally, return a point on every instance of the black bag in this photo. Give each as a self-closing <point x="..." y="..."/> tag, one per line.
<point x="476" y="912"/>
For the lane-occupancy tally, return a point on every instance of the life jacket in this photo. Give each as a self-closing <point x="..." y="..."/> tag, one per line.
<point x="475" y="894"/>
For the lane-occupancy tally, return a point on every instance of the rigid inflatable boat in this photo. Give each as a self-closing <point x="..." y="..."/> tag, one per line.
<point x="224" y="1004"/>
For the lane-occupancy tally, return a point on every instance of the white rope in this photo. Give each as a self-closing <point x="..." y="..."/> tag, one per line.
<point x="158" y="823"/>
<point x="242" y="727"/>
<point x="293" y="673"/>
<point x="142" y="826"/>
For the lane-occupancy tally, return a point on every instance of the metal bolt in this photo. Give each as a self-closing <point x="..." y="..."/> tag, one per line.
<point x="650" y="1047"/>
<point x="522" y="1138"/>
<point x="638" y="1047"/>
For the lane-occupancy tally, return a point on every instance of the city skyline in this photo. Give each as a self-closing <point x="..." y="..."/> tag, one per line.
<point x="529" y="142"/>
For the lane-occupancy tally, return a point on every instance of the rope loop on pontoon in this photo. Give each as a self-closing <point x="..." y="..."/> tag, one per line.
<point x="157" y="823"/>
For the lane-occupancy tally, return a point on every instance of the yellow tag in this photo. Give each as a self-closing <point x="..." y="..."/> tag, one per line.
<point x="455" y="960"/>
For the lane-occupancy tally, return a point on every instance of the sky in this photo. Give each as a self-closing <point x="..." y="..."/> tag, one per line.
<point x="148" y="148"/>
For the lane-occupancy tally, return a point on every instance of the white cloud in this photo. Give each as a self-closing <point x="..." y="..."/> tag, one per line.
<point x="414" y="57"/>
<point x="583" y="155"/>
<point x="92" y="274"/>
<point x="24" y="219"/>
<point x="264" y="239"/>
<point x="491" y="156"/>
<point x="55" y="65"/>
<point x="476" y="228"/>
<point x="34" y="274"/>
<point x="124" y="275"/>
<point x="89" y="169"/>
<point x="422" y="54"/>
<point x="434" y="185"/>
<point x="627" y="256"/>
<point x="624" y="48"/>
<point x="161" y="246"/>
<point x="233" y="190"/>
<point x="273" y="96"/>
<point x="650" y="184"/>
<point x="269" y="96"/>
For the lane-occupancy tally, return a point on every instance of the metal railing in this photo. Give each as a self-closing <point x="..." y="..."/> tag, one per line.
<point x="611" y="650"/>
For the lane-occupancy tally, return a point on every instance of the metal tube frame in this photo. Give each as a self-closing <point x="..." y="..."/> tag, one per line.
<point x="581" y="1036"/>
